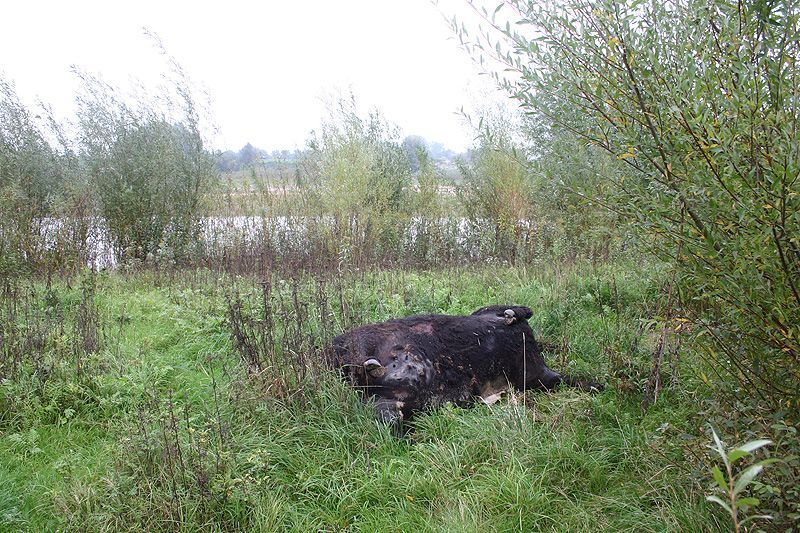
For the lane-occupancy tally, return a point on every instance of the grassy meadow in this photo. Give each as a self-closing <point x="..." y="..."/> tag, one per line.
<point x="164" y="307"/>
<point x="158" y="425"/>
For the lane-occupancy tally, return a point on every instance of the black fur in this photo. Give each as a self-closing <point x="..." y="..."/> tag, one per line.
<point x="428" y="360"/>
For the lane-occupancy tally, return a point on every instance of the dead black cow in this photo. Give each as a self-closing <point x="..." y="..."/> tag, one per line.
<point x="413" y="363"/>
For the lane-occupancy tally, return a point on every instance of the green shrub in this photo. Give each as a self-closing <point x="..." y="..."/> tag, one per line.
<point x="698" y="100"/>
<point x="496" y="193"/>
<point x="357" y="172"/>
<point x="150" y="170"/>
<point x="31" y="176"/>
<point x="732" y="485"/>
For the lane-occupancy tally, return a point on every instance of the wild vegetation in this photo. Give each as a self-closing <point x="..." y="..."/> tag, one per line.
<point x="698" y="101"/>
<point x="135" y="409"/>
<point x="161" y="332"/>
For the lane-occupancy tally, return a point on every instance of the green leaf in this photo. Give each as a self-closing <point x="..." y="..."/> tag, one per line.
<point x="720" y="449"/>
<point x="746" y="477"/>
<point x="752" y="502"/>
<point x="719" y="478"/>
<point x="737" y="454"/>
<point x="754" y="445"/>
<point x="755" y="517"/>
<point x="719" y="502"/>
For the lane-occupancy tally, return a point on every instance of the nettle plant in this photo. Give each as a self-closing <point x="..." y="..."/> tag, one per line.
<point x="732" y="484"/>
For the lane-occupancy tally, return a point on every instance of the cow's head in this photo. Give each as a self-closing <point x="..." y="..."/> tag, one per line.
<point x="396" y="368"/>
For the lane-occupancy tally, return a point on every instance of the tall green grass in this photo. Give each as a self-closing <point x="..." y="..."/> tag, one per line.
<point x="168" y="430"/>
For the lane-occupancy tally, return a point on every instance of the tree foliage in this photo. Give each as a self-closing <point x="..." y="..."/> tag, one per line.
<point x="148" y="169"/>
<point x="32" y="176"/>
<point x="357" y="164"/>
<point x="699" y="101"/>
<point x="496" y="190"/>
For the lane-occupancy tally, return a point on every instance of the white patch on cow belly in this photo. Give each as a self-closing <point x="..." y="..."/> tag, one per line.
<point x="498" y="385"/>
<point x="492" y="398"/>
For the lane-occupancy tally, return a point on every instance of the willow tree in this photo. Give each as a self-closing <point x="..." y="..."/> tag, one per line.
<point x="148" y="164"/>
<point x="32" y="176"/>
<point x="699" y="100"/>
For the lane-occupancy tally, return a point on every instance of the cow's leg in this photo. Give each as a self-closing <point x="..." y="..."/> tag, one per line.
<point x="550" y="380"/>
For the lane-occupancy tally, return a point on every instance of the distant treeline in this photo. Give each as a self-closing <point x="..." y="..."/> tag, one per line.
<point x="249" y="156"/>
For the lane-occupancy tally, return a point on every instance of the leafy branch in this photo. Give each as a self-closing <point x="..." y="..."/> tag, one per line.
<point x="732" y="485"/>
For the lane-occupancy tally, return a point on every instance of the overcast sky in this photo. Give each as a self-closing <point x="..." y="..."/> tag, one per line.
<point x="267" y="65"/>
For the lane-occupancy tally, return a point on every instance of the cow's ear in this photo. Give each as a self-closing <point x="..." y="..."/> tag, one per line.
<point x="358" y="349"/>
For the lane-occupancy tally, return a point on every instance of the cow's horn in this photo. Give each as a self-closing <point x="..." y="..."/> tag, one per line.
<point x="374" y="368"/>
<point x="510" y="316"/>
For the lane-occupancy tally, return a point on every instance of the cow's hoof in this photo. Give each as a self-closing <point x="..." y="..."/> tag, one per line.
<point x="510" y="316"/>
<point x="492" y="398"/>
<point x="596" y="387"/>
